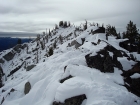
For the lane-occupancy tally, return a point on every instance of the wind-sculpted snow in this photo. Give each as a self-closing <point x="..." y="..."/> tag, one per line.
<point x="100" y="88"/>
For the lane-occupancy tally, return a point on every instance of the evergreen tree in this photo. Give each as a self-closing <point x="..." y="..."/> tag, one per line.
<point x="68" y="24"/>
<point x="111" y="30"/>
<point x="60" y="39"/>
<point x="131" y="32"/>
<point x="61" y="24"/>
<point x="49" y="33"/>
<point x="65" y="24"/>
<point x="56" y="26"/>
<point x="85" y="25"/>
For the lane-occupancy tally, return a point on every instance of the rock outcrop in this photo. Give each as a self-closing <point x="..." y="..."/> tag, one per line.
<point x="129" y="46"/>
<point x="75" y="43"/>
<point x="62" y="80"/>
<point x="2" y="61"/>
<point x="99" y="30"/>
<point x="28" y="68"/>
<point x="77" y="100"/>
<point x="105" y="63"/>
<point x="9" y="56"/>
<point x="132" y="84"/>
<point x="27" y="88"/>
<point x="1" y="74"/>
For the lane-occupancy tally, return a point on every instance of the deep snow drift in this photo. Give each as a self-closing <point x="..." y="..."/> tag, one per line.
<point x="100" y="88"/>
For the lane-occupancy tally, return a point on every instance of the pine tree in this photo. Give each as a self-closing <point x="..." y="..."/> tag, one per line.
<point x="49" y="33"/>
<point x="61" y="24"/>
<point x="56" y="26"/>
<point x="65" y="24"/>
<point x="68" y="24"/>
<point x="131" y="32"/>
<point x="111" y="30"/>
<point x="85" y="25"/>
<point x="60" y="39"/>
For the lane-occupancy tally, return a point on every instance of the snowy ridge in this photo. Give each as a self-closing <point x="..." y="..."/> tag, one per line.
<point x="99" y="88"/>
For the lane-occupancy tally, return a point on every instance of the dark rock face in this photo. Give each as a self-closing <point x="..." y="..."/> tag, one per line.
<point x="23" y="46"/>
<point x="72" y="101"/>
<point x="75" y="43"/>
<point x="135" y="69"/>
<point x="30" y="67"/>
<point x="1" y="74"/>
<point x="27" y="88"/>
<point x="134" y="84"/>
<point x="1" y="61"/>
<point x="105" y="63"/>
<point x="17" y="48"/>
<point x="99" y="30"/>
<point x="16" y="69"/>
<point x="9" y="56"/>
<point x="108" y="65"/>
<point x="61" y="81"/>
<point x="83" y="40"/>
<point x="2" y="100"/>
<point x="95" y="62"/>
<point x="129" y="46"/>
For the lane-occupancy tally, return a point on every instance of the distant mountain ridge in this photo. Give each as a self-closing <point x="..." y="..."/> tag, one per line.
<point x="8" y="42"/>
<point x="17" y="34"/>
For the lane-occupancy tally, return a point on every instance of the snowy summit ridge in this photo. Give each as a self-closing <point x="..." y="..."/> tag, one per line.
<point x="69" y="65"/>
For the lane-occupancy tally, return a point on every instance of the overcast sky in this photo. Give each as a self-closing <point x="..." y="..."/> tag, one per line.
<point x="37" y="15"/>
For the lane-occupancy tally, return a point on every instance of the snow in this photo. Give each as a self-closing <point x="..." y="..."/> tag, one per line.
<point x="127" y="64"/>
<point x="135" y="76"/>
<point x="99" y="88"/>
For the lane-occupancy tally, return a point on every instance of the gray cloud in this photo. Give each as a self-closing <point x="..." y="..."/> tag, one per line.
<point x="37" y="15"/>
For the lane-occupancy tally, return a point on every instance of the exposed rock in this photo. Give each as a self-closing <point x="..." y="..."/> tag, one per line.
<point x="17" y="48"/>
<point x="1" y="74"/>
<point x="108" y="65"/>
<point x="114" y="51"/>
<point x="134" y="84"/>
<point x="99" y="30"/>
<point x="83" y="40"/>
<point x="1" y="61"/>
<point x="9" y="56"/>
<point x="129" y="46"/>
<point x="16" y="69"/>
<point x="75" y="43"/>
<point x="28" y="68"/>
<point x="61" y="81"/>
<point x="27" y="88"/>
<point x="77" y="100"/>
<point x="117" y="63"/>
<point x="95" y="62"/>
<point x="105" y="63"/>
<point x="2" y="100"/>
<point x="3" y="90"/>
<point x="135" y="69"/>
<point x="12" y="90"/>
<point x="1" y="71"/>
<point x="94" y="43"/>
<point x="23" y="46"/>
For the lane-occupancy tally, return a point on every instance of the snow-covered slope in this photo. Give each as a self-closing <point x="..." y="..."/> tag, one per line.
<point x="67" y="60"/>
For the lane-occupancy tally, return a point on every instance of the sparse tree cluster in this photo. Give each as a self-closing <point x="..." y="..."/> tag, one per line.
<point x="64" y="24"/>
<point x="131" y="32"/>
<point x="111" y="30"/>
